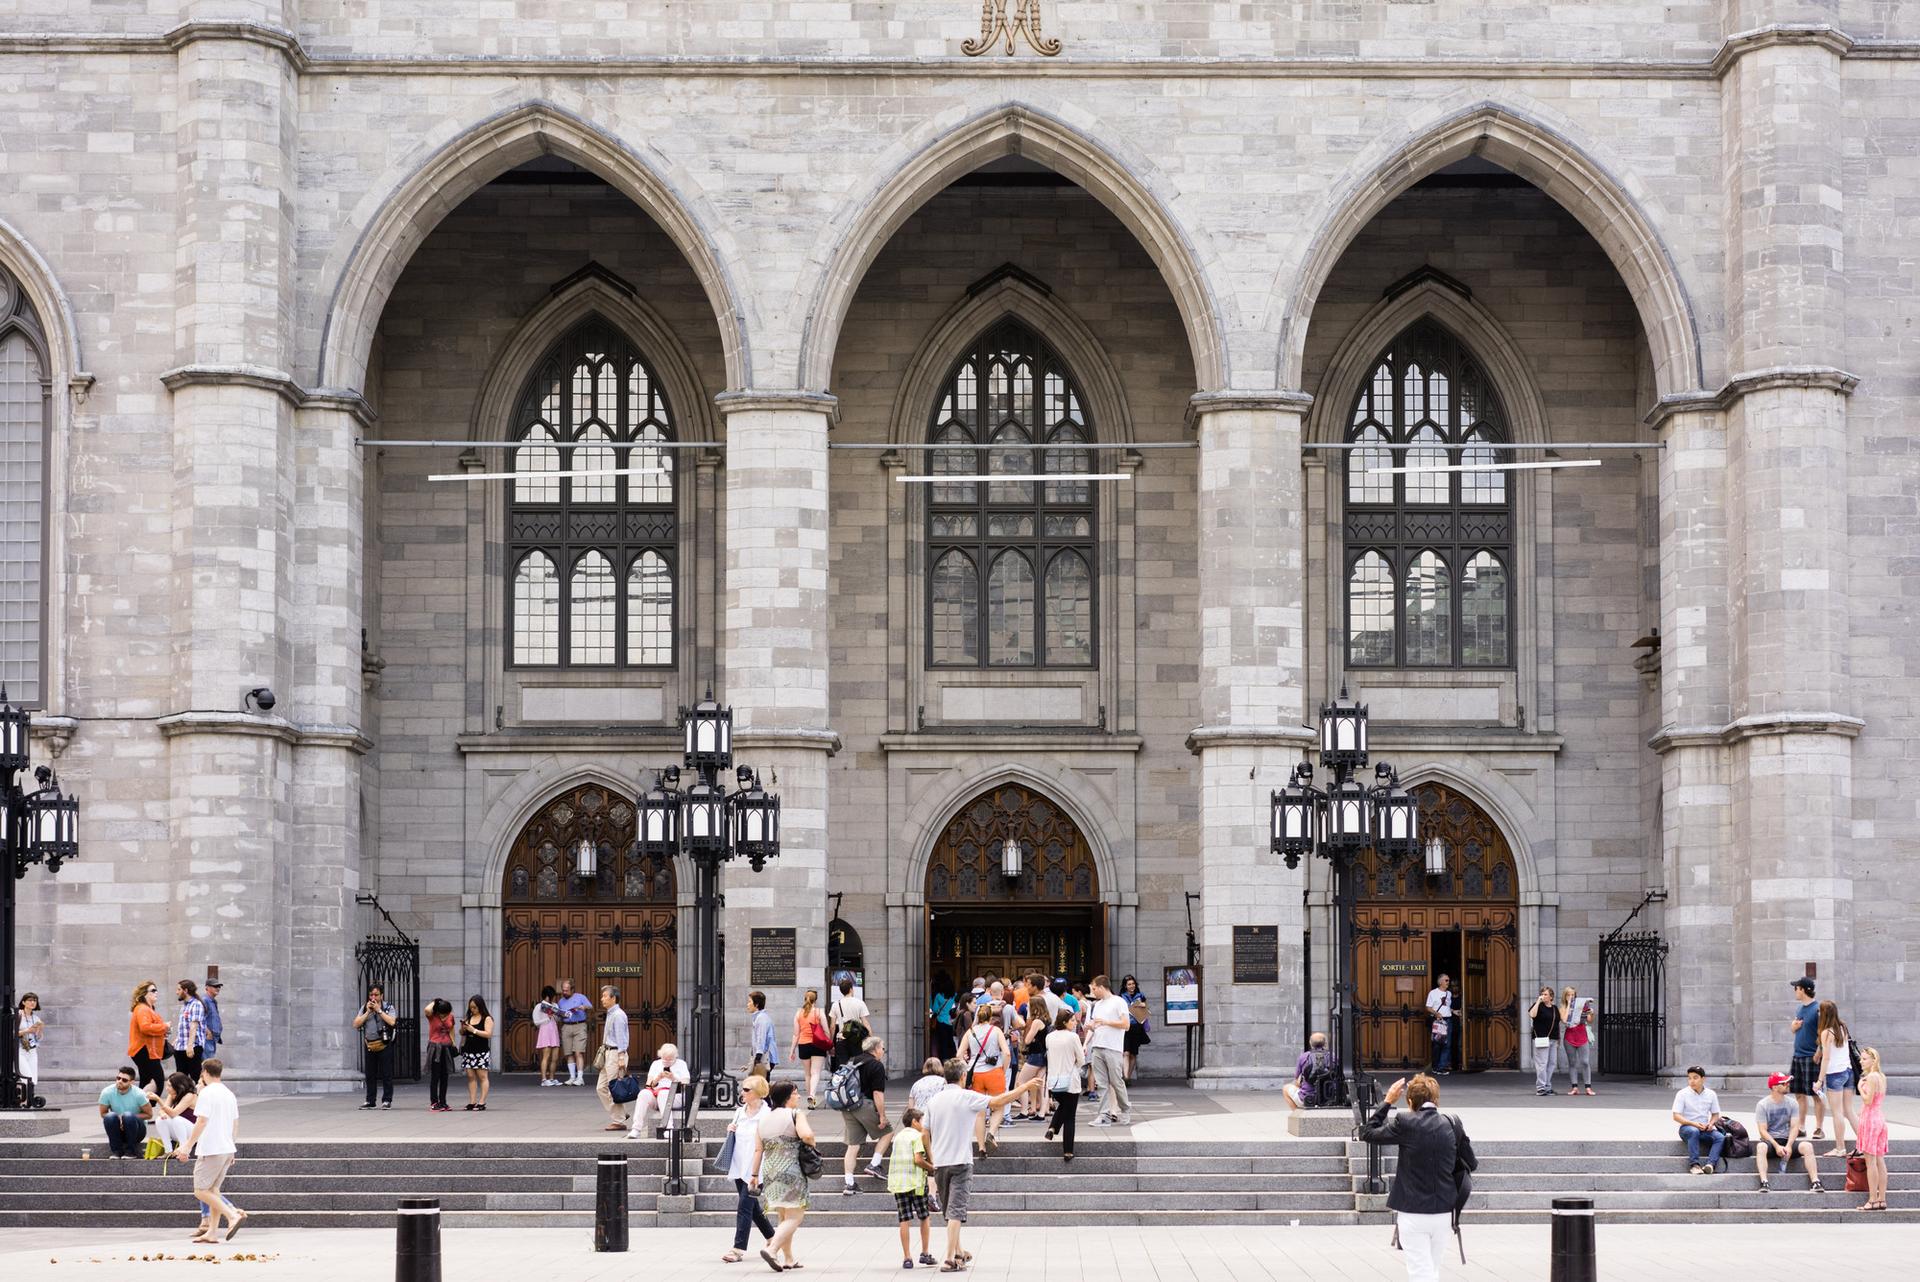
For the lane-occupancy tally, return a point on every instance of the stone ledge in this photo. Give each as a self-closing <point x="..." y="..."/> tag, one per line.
<point x="1220" y="402"/>
<point x="279" y="382"/>
<point x="246" y="723"/>
<point x="1286" y="738"/>
<point x="1817" y="35"/>
<point x="33" y="1124"/>
<point x="1826" y="377"/>
<point x="1011" y="739"/>
<point x="746" y="400"/>
<point x="1754" y="727"/>
<point x="1321" y="1123"/>
<point x="800" y="737"/>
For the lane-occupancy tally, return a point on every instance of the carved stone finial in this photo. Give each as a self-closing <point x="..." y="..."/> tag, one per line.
<point x="1008" y="21"/>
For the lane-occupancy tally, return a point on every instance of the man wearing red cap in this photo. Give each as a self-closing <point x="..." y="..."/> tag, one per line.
<point x="1776" y="1133"/>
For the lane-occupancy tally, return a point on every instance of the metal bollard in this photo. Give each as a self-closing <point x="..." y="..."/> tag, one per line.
<point x="1573" y="1255"/>
<point x="416" y="1255"/>
<point x="610" y="1204"/>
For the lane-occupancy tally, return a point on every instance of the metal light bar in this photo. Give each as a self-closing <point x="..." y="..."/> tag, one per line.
<point x="1484" y="445"/>
<point x="1024" y="445"/>
<point x="536" y="442"/>
<point x="1016" y="476"/>
<point x="544" y="476"/>
<point x="1479" y="467"/>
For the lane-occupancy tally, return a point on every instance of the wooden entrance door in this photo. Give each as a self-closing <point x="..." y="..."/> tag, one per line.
<point x="1404" y="921"/>
<point x="617" y="927"/>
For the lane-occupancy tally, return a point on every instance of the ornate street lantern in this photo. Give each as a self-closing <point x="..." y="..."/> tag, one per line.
<point x="1012" y="858"/>
<point x="1436" y="855"/>
<point x="708" y="728"/>
<point x="1294" y="814"/>
<point x="1347" y="829"/>
<point x="1396" y="818"/>
<point x="658" y="825"/>
<point x="756" y="821"/>
<point x="1343" y="733"/>
<point x="703" y="815"/>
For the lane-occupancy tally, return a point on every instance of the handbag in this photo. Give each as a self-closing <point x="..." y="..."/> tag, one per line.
<point x="1856" y="1173"/>
<point x="600" y="1058"/>
<point x="809" y="1158"/>
<point x="978" y="1051"/>
<point x="624" y="1090"/>
<point x="377" y="1047"/>
<point x="155" y="1148"/>
<point x="724" y="1160"/>
<point x="1538" y="1042"/>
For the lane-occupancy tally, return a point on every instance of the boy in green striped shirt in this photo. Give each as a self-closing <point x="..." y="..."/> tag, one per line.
<point x="907" y="1171"/>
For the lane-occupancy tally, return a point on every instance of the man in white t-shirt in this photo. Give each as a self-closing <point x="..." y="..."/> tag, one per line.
<point x="1106" y="1050"/>
<point x="1440" y="1014"/>
<point x="850" y="1023"/>
<point x="951" y="1117"/>
<point x="216" y="1130"/>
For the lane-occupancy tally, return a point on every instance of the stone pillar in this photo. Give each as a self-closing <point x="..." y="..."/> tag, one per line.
<point x="1701" y="873"/>
<point x="1791" y="717"/>
<point x="231" y="769"/>
<point x="1252" y="617"/>
<point x="774" y="609"/>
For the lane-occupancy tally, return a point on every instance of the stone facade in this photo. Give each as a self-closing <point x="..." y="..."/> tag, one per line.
<point x="257" y="232"/>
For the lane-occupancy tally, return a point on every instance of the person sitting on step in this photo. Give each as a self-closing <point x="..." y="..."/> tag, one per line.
<point x="657" y="1095"/>
<point x="1776" y="1133"/>
<point x="1696" y="1110"/>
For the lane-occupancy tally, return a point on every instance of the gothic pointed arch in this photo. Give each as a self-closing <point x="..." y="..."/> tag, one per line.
<point x="1612" y="211"/>
<point x="1126" y="183"/>
<point x="392" y="223"/>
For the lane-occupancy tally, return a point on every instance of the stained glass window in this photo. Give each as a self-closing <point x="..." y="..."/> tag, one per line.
<point x="25" y="391"/>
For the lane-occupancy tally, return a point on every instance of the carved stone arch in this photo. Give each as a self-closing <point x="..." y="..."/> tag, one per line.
<point x="1615" y="210"/>
<point x="44" y="318"/>
<point x="1059" y="868"/>
<point x="508" y="815"/>
<point x="1058" y="325"/>
<point x="930" y="815"/>
<point x="1510" y="812"/>
<point x="1126" y="182"/>
<point x="1526" y="423"/>
<point x="590" y="295"/>
<point x="389" y="225"/>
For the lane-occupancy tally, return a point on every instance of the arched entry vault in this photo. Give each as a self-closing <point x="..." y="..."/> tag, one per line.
<point x="364" y="269"/>
<point x="1606" y="205"/>
<point x="1129" y="187"/>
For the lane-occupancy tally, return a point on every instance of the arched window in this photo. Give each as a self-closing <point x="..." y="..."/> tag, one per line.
<point x="1427" y="552"/>
<point x="989" y="544"/>
<point x="25" y="404"/>
<point x="598" y="402"/>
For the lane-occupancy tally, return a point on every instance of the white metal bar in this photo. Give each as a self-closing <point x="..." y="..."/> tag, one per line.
<point x="1480" y="467"/>
<point x="536" y="442"/>
<point x="530" y="476"/>
<point x="1016" y="476"/>
<point x="1018" y="445"/>
<point x="1485" y="445"/>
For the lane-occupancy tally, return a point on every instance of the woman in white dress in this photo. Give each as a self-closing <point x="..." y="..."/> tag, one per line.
<point x="28" y="1027"/>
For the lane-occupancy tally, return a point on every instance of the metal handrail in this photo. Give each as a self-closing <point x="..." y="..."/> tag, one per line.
<point x="679" y="1116"/>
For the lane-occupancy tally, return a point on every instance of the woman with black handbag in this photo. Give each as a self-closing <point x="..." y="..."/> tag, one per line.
<point x="781" y="1142"/>
<point x="736" y="1159"/>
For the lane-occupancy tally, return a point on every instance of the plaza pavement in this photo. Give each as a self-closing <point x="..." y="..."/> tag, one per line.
<point x="1080" y="1248"/>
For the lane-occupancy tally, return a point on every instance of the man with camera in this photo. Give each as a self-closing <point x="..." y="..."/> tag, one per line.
<point x="375" y="1023"/>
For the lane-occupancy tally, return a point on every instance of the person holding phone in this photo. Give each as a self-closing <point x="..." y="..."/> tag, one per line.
<point x="476" y="1051"/>
<point x="375" y="1023"/>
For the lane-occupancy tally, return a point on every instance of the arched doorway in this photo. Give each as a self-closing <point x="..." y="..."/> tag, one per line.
<point x="1046" y="919"/>
<point x="1410" y="928"/>
<point x="615" y="928"/>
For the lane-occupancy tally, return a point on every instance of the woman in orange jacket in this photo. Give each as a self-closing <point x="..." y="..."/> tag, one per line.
<point x="147" y="1036"/>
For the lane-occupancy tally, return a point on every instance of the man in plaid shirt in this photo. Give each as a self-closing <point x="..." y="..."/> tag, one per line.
<point x="189" y="1030"/>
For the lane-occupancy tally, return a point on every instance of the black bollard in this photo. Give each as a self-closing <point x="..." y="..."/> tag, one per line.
<point x="610" y="1204"/>
<point x="416" y="1255"/>
<point x="1573" y="1258"/>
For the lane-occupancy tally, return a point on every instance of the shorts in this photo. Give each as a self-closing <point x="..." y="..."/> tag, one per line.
<point x="1840" y="1081"/>
<point x="1805" y="1081"/>
<point x="549" y="1035"/>
<point x="952" y="1184"/>
<point x="912" y="1206"/>
<point x="573" y="1038"/>
<point x="812" y="1050"/>
<point x="989" y="1081"/>
<point x="863" y="1124"/>
<point x="210" y="1171"/>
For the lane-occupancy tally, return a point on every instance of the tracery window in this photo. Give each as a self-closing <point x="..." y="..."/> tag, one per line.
<point x="25" y="407"/>
<point x="1010" y="564"/>
<point x="591" y="558"/>
<point x="1428" y="554"/>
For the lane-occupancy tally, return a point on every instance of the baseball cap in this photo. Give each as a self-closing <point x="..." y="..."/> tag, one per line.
<point x="1805" y="984"/>
<point x="1778" y="1079"/>
<point x="213" y="983"/>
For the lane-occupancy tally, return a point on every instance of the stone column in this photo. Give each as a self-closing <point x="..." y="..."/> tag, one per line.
<point x="1252" y="619"/>
<point x="774" y="607"/>
<point x="1791" y="722"/>
<point x="1701" y="873"/>
<point x="231" y="769"/>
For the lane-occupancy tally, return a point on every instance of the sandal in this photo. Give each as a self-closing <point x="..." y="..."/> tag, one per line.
<point x="1819" y="1133"/>
<point x="1589" y="1090"/>
<point x="953" y="1266"/>
<point x="237" y="1225"/>
<point x="965" y="1257"/>
<point x="771" y="1262"/>
<point x="732" y="1257"/>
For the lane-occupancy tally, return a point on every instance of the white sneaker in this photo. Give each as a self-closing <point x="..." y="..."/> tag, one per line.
<point x="1125" y="1119"/>
<point x="1103" y="1120"/>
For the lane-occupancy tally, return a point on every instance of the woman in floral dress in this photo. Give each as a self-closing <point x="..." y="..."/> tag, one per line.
<point x="776" y="1172"/>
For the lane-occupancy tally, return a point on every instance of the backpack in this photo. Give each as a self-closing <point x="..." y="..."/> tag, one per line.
<point x="1739" y="1145"/>
<point x="1323" y="1080"/>
<point x="843" y="1088"/>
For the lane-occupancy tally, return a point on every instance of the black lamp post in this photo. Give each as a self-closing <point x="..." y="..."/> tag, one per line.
<point x="1338" y="825"/>
<point x="41" y="826"/>
<point x="710" y="826"/>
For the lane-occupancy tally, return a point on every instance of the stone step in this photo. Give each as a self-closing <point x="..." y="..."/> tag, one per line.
<point x="1756" y="1203"/>
<point x="1743" y="1179"/>
<point x="1070" y="1197"/>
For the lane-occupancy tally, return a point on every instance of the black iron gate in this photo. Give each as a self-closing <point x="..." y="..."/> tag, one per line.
<point x="394" y="964"/>
<point x="1633" y="1019"/>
